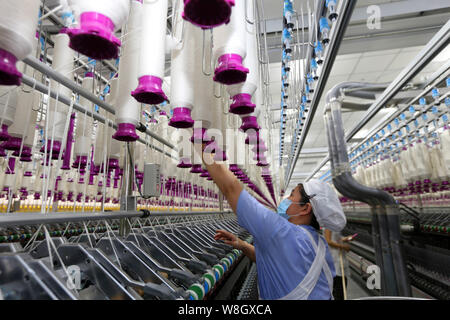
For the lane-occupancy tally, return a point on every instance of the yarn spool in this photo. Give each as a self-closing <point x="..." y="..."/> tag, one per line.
<point x="128" y="109"/>
<point x="185" y="62"/>
<point x="18" y="25"/>
<point x="97" y="21"/>
<point x="152" y="53"/>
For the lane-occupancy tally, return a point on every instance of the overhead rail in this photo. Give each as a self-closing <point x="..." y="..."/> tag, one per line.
<point x="429" y="51"/>
<point x="345" y="10"/>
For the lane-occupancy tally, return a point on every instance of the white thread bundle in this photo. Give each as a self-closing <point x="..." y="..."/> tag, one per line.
<point x="84" y="123"/>
<point x="112" y="144"/>
<point x="8" y="104"/>
<point x="186" y="62"/>
<point x="116" y="10"/>
<point x="203" y="95"/>
<point x="18" y="23"/>
<point x="128" y="109"/>
<point x="231" y="38"/>
<point x="250" y="62"/>
<point x="26" y="114"/>
<point x="63" y="63"/>
<point x="153" y="38"/>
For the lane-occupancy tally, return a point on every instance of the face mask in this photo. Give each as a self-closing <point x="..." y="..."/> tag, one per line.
<point x="282" y="208"/>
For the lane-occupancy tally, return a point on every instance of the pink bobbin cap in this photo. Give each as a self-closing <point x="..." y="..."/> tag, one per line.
<point x="181" y="118"/>
<point x="196" y="168"/>
<point x="149" y="90"/>
<point x="249" y="122"/>
<point x="242" y="104"/>
<point x="207" y="14"/>
<point x="9" y="75"/>
<point x="125" y="132"/>
<point x="4" y="135"/>
<point x="230" y="69"/>
<point x="185" y="163"/>
<point x="95" y="38"/>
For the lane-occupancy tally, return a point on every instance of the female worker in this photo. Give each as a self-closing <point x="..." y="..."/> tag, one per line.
<point x="293" y="260"/>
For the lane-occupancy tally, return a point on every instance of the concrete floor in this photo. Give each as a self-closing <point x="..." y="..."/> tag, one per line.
<point x="354" y="290"/>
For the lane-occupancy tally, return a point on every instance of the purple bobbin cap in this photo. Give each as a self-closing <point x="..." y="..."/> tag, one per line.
<point x="4" y="135"/>
<point x="13" y="143"/>
<point x="95" y="38"/>
<point x="200" y="135"/>
<point x="184" y="163"/>
<point x="25" y="156"/>
<point x="204" y="174"/>
<point x="262" y="163"/>
<point x="234" y="167"/>
<point x="207" y="13"/>
<point x="220" y="155"/>
<point x="230" y="69"/>
<point x="149" y="90"/>
<point x="56" y="148"/>
<point x="80" y="161"/>
<point x="242" y="104"/>
<point x="126" y="132"/>
<point x="113" y="163"/>
<point x="196" y="168"/>
<point x="9" y="75"/>
<point x="181" y="118"/>
<point x="249" y="122"/>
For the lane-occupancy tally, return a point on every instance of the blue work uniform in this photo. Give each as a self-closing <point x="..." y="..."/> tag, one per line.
<point x="284" y="252"/>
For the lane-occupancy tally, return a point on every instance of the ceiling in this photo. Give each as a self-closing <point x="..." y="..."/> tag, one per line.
<point x="362" y="62"/>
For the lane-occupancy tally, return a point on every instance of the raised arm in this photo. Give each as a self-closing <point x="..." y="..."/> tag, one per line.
<point x="225" y="180"/>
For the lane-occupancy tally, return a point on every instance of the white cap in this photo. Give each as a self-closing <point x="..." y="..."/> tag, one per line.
<point x="326" y="205"/>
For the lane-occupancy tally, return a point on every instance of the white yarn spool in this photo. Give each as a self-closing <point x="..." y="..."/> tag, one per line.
<point x="18" y="24"/>
<point x="7" y="112"/>
<point x="444" y="138"/>
<point x="84" y="123"/>
<point x="25" y="116"/>
<point x="56" y="122"/>
<point x="128" y="109"/>
<point x="62" y="63"/>
<point x="116" y="10"/>
<point x="250" y="62"/>
<point x="231" y="38"/>
<point x="203" y="95"/>
<point x="186" y="63"/>
<point x="153" y="39"/>
<point x="2" y="177"/>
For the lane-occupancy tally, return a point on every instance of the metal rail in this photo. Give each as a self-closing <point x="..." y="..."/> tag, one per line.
<point x="336" y="36"/>
<point x="33" y="83"/>
<point x="23" y="219"/>
<point x="47" y="70"/>
<point x="436" y="44"/>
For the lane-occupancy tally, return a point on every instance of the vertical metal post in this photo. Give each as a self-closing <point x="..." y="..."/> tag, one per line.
<point x="127" y="200"/>
<point x="220" y="201"/>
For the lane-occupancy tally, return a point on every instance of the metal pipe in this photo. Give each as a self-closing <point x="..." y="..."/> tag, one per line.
<point x="47" y="70"/>
<point x="433" y="47"/>
<point x="393" y="260"/>
<point x="33" y="83"/>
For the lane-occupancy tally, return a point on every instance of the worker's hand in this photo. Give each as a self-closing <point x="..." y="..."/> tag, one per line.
<point x="229" y="238"/>
<point x="347" y="239"/>
<point x="345" y="247"/>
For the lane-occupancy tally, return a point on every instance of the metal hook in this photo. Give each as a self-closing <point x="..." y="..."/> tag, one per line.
<point x="246" y="16"/>
<point x="210" y="54"/>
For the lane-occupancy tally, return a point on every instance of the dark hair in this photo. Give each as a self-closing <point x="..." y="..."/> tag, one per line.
<point x="305" y="199"/>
